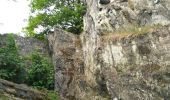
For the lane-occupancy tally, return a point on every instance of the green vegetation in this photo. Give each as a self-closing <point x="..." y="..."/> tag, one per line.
<point x="51" y="95"/>
<point x="3" y="97"/>
<point x="11" y="64"/>
<point x="39" y="72"/>
<point x="47" y="14"/>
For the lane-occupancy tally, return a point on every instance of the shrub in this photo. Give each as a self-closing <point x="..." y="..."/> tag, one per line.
<point x="40" y="72"/>
<point x="11" y="64"/>
<point x="51" y="95"/>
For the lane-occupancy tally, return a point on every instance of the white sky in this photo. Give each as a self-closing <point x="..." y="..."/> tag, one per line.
<point x="12" y="15"/>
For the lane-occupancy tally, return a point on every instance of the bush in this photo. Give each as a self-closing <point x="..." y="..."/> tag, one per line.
<point x="40" y="72"/>
<point x="51" y="95"/>
<point x="11" y="64"/>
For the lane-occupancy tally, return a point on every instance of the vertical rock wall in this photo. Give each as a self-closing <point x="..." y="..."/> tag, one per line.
<point x="127" y="69"/>
<point x="133" y="67"/>
<point x="68" y="62"/>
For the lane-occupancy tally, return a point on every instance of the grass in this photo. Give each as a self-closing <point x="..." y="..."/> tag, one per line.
<point x="8" y="97"/>
<point x="129" y="31"/>
<point x="3" y="97"/>
<point x="53" y="95"/>
<point x="50" y="94"/>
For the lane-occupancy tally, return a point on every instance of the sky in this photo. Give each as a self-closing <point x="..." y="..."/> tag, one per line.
<point x="13" y="15"/>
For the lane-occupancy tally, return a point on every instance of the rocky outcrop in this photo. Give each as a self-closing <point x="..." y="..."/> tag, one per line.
<point x="122" y="13"/>
<point x="130" y="68"/>
<point x="118" y="66"/>
<point x="103" y="64"/>
<point x="12" y="91"/>
<point x="68" y="61"/>
<point x="133" y="68"/>
<point x="27" y="45"/>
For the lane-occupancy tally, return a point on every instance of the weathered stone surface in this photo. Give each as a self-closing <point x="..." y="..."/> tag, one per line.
<point x="132" y="68"/>
<point x="135" y="67"/>
<point x="122" y="13"/>
<point x="26" y="45"/>
<point x="136" y="62"/>
<point x="68" y="62"/>
<point x="12" y="91"/>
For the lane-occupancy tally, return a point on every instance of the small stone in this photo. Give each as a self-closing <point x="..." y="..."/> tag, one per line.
<point x="104" y="1"/>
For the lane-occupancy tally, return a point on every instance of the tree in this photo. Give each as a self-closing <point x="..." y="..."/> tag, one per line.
<point x="47" y="14"/>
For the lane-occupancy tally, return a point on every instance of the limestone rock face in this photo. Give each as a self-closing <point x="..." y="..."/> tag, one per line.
<point x="28" y="45"/>
<point x="130" y="68"/>
<point x="133" y="67"/>
<point x="68" y="62"/>
<point x="122" y="13"/>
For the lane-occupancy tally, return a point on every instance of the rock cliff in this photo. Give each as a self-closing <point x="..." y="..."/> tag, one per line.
<point x="123" y="53"/>
<point x="68" y="61"/>
<point x="104" y="64"/>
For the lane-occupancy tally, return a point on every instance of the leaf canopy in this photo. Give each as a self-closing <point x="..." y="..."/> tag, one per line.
<point x="47" y="14"/>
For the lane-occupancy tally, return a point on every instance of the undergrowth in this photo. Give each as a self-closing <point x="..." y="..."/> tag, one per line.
<point x="33" y="69"/>
<point x="11" y="63"/>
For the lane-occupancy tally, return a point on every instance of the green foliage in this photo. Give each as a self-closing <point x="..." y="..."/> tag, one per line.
<point x="66" y="14"/>
<point x="51" y="95"/>
<point x="3" y="97"/>
<point x="40" y="72"/>
<point x="11" y="64"/>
